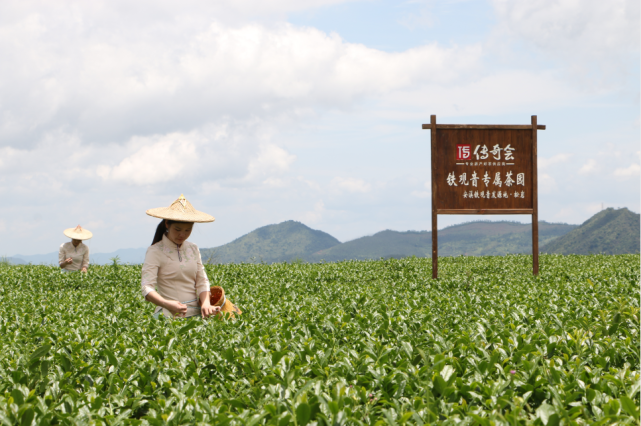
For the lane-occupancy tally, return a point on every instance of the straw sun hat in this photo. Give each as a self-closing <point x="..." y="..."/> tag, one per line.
<point x="181" y="210"/>
<point x="78" y="233"/>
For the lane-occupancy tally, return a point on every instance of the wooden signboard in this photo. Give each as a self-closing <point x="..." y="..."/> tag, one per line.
<point x="484" y="169"/>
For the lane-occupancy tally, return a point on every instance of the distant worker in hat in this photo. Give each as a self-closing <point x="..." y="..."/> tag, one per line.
<point x="74" y="256"/>
<point x="173" y="275"/>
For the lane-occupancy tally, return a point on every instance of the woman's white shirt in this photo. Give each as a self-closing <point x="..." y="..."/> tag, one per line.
<point x="79" y="254"/>
<point x="177" y="273"/>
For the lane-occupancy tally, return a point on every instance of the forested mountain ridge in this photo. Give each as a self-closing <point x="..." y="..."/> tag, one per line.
<point x="482" y="238"/>
<point x="611" y="231"/>
<point x="290" y="241"/>
<point x="272" y="243"/>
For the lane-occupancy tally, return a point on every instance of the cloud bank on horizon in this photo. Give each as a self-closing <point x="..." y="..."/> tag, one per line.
<point x="262" y="112"/>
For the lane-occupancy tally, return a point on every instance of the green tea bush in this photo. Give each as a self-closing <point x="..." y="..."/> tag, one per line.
<point x="367" y="342"/>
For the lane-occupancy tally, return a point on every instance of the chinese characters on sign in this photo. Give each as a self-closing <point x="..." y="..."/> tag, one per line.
<point x="508" y="182"/>
<point x="520" y="179"/>
<point x="494" y="194"/>
<point x="463" y="152"/>
<point x="478" y="169"/>
<point x="481" y="152"/>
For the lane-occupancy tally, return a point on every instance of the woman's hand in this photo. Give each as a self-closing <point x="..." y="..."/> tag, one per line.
<point x="176" y="308"/>
<point x="68" y="261"/>
<point x="205" y="306"/>
<point x="84" y="270"/>
<point x="207" y="310"/>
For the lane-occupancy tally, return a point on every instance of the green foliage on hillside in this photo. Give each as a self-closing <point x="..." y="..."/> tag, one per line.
<point x="335" y="343"/>
<point x="273" y="243"/>
<point x="474" y="238"/>
<point x="610" y="231"/>
<point x="383" y="244"/>
<point x="482" y="239"/>
<point x="289" y="241"/>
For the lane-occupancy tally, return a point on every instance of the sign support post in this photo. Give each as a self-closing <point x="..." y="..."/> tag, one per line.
<point x="484" y="169"/>
<point x="434" y="213"/>
<point x="535" y="203"/>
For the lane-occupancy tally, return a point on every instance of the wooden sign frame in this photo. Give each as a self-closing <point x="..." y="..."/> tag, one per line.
<point x="450" y="196"/>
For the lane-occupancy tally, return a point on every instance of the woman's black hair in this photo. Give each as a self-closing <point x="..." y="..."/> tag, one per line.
<point x="161" y="229"/>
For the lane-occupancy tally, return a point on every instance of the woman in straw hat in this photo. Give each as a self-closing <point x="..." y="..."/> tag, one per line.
<point x="174" y="267"/>
<point x="74" y="256"/>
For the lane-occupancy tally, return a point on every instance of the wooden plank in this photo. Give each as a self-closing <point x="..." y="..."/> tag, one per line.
<point x="484" y="211"/>
<point x="535" y="202"/>
<point x="485" y="126"/>
<point x="434" y="192"/>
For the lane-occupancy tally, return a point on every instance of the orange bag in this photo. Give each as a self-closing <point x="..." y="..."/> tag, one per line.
<point x="217" y="298"/>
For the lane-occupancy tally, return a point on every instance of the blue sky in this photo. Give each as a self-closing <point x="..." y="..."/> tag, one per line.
<point x="261" y="112"/>
<point x="394" y="26"/>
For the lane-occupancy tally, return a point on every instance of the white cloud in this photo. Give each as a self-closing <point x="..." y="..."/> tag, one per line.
<point x="627" y="172"/>
<point x="159" y="160"/>
<point x="543" y="163"/>
<point x="270" y="159"/>
<point x="503" y="92"/>
<point x="424" y="18"/>
<point x="593" y="208"/>
<point x="109" y="86"/>
<point x="423" y="194"/>
<point x="273" y="182"/>
<point x="227" y="154"/>
<point x="574" y="26"/>
<point x="309" y="183"/>
<point x="564" y="213"/>
<point x="547" y="183"/>
<point x="589" y="167"/>
<point x="95" y="224"/>
<point x="160" y="12"/>
<point x="351" y="185"/>
<point x="58" y="164"/>
<point x="590" y="36"/>
<point x="315" y="215"/>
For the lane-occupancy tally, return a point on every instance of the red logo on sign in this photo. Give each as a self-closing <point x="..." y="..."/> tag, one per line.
<point x="463" y="152"/>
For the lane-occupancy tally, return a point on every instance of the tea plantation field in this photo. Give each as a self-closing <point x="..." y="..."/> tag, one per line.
<point x="375" y="342"/>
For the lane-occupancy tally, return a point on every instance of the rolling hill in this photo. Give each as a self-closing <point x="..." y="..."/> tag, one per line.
<point x="289" y="241"/>
<point x="482" y="238"/>
<point x="611" y="231"/>
<point x="272" y="243"/>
